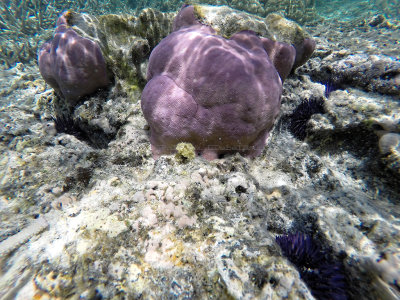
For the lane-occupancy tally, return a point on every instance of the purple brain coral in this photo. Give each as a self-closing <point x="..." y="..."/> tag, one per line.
<point x="221" y="95"/>
<point x="72" y="65"/>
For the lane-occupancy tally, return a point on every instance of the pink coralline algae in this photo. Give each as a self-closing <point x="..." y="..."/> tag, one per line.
<point x="221" y="95"/>
<point x="72" y="65"/>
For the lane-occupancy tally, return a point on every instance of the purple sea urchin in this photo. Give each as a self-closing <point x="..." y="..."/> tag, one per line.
<point x="323" y="275"/>
<point x="329" y="88"/>
<point x="302" y="114"/>
<point x="300" y="249"/>
<point x="64" y="123"/>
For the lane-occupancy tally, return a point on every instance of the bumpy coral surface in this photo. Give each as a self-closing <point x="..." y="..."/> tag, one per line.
<point x="74" y="66"/>
<point x="221" y="95"/>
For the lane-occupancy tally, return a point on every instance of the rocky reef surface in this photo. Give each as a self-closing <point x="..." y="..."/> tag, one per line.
<point x="86" y="212"/>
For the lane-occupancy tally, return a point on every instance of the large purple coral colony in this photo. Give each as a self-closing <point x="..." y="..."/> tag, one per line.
<point x="74" y="66"/>
<point x="221" y="95"/>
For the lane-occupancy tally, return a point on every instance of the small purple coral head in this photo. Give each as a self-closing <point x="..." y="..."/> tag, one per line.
<point x="304" y="50"/>
<point x="221" y="95"/>
<point x="74" y="66"/>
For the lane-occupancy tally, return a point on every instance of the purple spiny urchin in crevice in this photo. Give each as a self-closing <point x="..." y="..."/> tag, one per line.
<point x="94" y="137"/>
<point x="329" y="88"/>
<point x="302" y="114"/>
<point x="327" y="281"/>
<point x="323" y="274"/>
<point x="300" y="249"/>
<point x="90" y="134"/>
<point x="64" y="123"/>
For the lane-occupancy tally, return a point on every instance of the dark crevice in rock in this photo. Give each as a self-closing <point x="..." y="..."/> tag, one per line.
<point x="362" y="142"/>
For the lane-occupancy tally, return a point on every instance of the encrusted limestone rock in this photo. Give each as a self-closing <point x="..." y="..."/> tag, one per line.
<point x="372" y="73"/>
<point x="126" y="41"/>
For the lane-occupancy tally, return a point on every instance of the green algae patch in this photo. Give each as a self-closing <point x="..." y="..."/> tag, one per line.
<point x="185" y="152"/>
